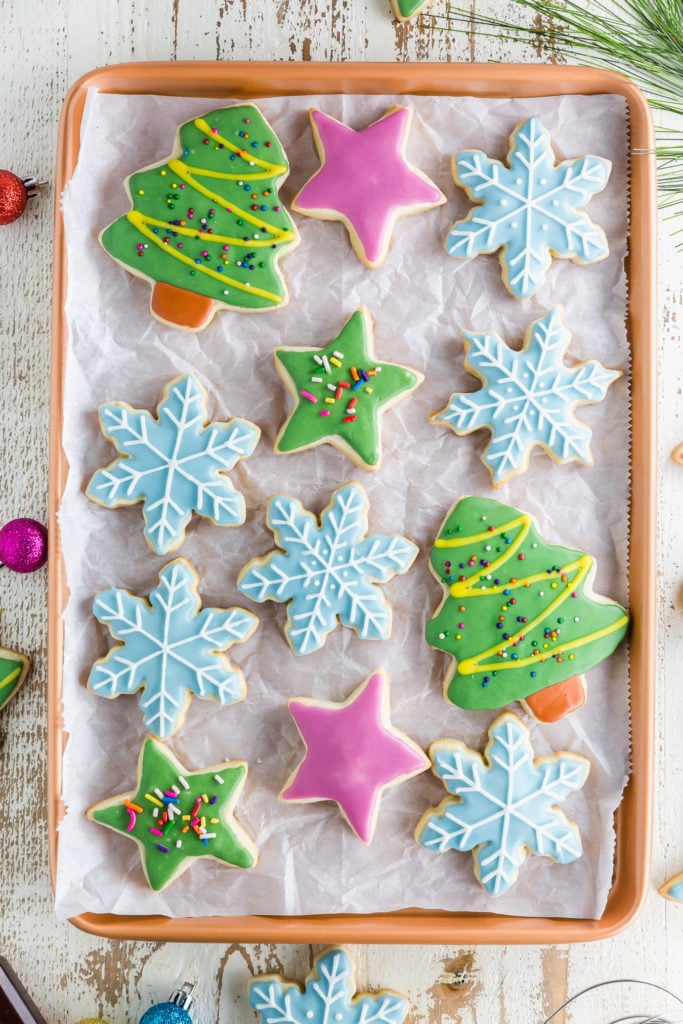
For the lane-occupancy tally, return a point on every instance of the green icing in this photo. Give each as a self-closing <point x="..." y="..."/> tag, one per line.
<point x="218" y="196"/>
<point x="13" y="670"/>
<point x="408" y="8"/>
<point x="519" y="614"/>
<point x="326" y="373"/>
<point x="159" y="771"/>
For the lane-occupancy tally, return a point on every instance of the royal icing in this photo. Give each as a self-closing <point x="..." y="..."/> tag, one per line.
<point x="366" y="181"/>
<point x="169" y="648"/>
<point x="175" y="815"/>
<point x="328" y="996"/>
<point x="340" y="392"/>
<point x="327" y="571"/>
<point x="175" y="464"/>
<point x="528" y="398"/>
<point x="14" y="668"/>
<point x="502" y="804"/>
<point x="530" y="209"/>
<point x="673" y="888"/>
<point x="519" y="614"/>
<point x="209" y="220"/>
<point x="406" y="9"/>
<point x="353" y="753"/>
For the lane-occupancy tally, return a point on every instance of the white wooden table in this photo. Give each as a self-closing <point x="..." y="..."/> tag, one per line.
<point x="43" y="49"/>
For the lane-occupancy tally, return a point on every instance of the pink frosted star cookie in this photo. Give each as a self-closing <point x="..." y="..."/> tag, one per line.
<point x="366" y="181"/>
<point x="353" y="753"/>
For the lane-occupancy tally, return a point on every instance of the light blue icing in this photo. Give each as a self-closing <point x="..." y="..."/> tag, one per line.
<point x="530" y="209"/>
<point x="675" y="891"/>
<point x="175" y="464"/>
<point x="504" y="806"/>
<point x="170" y="649"/>
<point x="328" y="997"/>
<point x="528" y="397"/>
<point x="327" y="571"/>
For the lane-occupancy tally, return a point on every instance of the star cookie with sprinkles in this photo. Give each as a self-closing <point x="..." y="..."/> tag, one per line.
<point x="340" y="391"/>
<point x="366" y="181"/>
<point x="175" y="815"/>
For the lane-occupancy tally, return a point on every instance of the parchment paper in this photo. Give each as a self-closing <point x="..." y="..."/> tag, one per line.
<point x="421" y="301"/>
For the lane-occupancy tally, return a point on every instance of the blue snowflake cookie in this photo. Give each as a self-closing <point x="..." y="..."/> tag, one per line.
<point x="169" y="648"/>
<point x="527" y="398"/>
<point x="328" y="996"/>
<point x="531" y="209"/>
<point x="327" y="571"/>
<point x="503" y="804"/>
<point x="175" y="464"/>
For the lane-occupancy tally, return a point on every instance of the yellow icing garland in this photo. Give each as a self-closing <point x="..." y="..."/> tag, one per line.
<point x="141" y="222"/>
<point x="463" y="588"/>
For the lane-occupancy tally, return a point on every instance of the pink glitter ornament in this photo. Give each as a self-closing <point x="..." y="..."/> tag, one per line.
<point x="23" y="545"/>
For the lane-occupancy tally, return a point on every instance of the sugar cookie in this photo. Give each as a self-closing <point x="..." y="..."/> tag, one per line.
<point x="503" y="803"/>
<point x="365" y="181"/>
<point x="531" y="209"/>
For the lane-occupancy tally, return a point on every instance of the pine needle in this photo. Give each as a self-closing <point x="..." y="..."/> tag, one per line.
<point x="639" y="38"/>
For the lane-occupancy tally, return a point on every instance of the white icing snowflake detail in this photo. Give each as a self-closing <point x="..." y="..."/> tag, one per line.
<point x="329" y="994"/>
<point x="503" y="806"/>
<point x="528" y="397"/>
<point x="170" y="649"/>
<point x="327" y="571"/>
<point x="175" y="464"/>
<point x="532" y="209"/>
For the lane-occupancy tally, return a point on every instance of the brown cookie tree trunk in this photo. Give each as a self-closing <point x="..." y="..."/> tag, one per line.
<point x="554" y="702"/>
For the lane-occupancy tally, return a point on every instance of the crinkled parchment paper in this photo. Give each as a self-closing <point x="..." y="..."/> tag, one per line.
<point x="421" y="302"/>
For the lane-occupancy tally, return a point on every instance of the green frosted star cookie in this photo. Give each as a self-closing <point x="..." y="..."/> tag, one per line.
<point x="175" y="815"/>
<point x="13" y="670"/>
<point x="340" y="391"/>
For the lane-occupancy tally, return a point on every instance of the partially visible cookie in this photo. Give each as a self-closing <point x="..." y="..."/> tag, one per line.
<point x="366" y="181"/>
<point x="404" y="10"/>
<point x="175" y="464"/>
<point x="14" y="668"/>
<point x="502" y="804"/>
<point x="327" y="571"/>
<point x="530" y="209"/>
<point x="673" y="888"/>
<point x="340" y="392"/>
<point x="328" y="996"/>
<point x="175" y="815"/>
<point x="353" y="753"/>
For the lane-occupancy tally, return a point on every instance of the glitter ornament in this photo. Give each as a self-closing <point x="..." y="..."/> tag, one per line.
<point x="14" y="194"/>
<point x="23" y="545"/>
<point x="175" y="1011"/>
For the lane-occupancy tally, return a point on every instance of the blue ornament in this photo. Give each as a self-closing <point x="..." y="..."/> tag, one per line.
<point x="175" y="1011"/>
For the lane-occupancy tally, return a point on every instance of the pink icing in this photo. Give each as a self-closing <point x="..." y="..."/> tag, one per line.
<point x="366" y="179"/>
<point x="352" y="753"/>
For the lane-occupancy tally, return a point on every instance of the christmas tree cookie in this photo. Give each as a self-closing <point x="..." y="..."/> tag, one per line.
<point x="528" y="398"/>
<point x="366" y="181"/>
<point x="13" y="671"/>
<point x="353" y="753"/>
<point x="176" y="815"/>
<point x="207" y="227"/>
<point x="519" y="616"/>
<point x="340" y="391"/>
<point x="531" y="209"/>
<point x="502" y="805"/>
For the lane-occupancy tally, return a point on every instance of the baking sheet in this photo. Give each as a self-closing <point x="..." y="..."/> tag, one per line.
<point x="310" y="862"/>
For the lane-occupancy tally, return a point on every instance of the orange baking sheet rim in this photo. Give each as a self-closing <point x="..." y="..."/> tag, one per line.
<point x="634" y="817"/>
